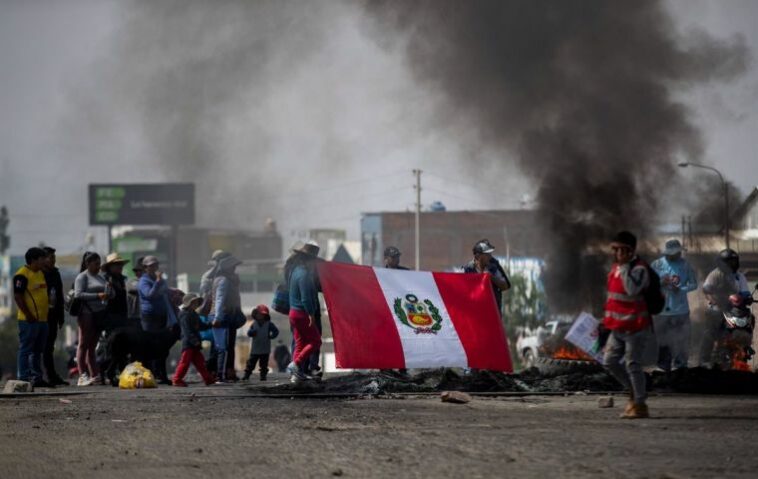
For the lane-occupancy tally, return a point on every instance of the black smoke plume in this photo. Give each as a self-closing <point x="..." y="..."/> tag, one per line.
<point x="583" y="97"/>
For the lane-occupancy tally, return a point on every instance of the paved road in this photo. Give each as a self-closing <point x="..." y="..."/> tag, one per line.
<point x="170" y="433"/>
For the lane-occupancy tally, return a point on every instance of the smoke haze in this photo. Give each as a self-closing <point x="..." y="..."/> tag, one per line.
<point x="582" y="92"/>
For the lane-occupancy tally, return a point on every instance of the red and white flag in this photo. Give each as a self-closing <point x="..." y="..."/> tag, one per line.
<point x="391" y="319"/>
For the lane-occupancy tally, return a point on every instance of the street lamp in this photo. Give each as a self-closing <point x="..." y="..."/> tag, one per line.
<point x="685" y="164"/>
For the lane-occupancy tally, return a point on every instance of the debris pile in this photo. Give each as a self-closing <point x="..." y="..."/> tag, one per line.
<point x="586" y="379"/>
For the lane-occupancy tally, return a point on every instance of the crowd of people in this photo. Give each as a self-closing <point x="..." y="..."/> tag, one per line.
<point x="640" y="297"/>
<point x="103" y="300"/>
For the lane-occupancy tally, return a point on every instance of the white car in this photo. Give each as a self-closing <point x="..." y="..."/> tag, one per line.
<point x="529" y="342"/>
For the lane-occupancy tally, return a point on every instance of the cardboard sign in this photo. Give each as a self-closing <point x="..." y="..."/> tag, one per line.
<point x="584" y="335"/>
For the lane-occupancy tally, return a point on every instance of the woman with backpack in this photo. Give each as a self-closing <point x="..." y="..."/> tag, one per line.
<point x="92" y="290"/>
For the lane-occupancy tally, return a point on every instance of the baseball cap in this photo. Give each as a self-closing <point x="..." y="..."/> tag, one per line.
<point x="672" y="247"/>
<point x="483" y="246"/>
<point x="391" y="252"/>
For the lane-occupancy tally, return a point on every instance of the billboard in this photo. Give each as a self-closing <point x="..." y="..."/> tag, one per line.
<point x="142" y="204"/>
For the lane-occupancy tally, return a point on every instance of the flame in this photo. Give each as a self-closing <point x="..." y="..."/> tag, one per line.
<point x="572" y="353"/>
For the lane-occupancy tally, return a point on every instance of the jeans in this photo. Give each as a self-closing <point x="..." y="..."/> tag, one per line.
<point x="307" y="337"/>
<point x="630" y="347"/>
<point x="31" y="347"/>
<point x="673" y="335"/>
<point x="221" y="344"/>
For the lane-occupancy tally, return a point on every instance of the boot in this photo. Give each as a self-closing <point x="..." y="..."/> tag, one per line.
<point x="629" y="405"/>
<point x="638" y="411"/>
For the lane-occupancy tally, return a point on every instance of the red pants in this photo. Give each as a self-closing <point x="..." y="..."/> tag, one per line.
<point x="307" y="337"/>
<point x="194" y="356"/>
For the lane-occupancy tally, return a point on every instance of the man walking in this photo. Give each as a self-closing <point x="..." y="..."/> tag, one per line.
<point x="30" y="294"/>
<point x="672" y="325"/>
<point x="55" y="315"/>
<point x="725" y="280"/>
<point x="627" y="317"/>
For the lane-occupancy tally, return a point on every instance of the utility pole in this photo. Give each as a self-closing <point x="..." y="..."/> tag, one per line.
<point x="418" y="218"/>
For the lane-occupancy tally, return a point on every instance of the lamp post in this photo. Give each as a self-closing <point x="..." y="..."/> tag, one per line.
<point x="685" y="164"/>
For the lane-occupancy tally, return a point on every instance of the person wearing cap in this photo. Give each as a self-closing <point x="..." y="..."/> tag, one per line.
<point x="723" y="281"/>
<point x="192" y="344"/>
<point x="304" y="309"/>
<point x="484" y="262"/>
<point x="226" y="308"/>
<point x="628" y="319"/>
<point x="132" y="293"/>
<point x="672" y="324"/>
<point x="392" y="258"/>
<point x="117" y="309"/>
<point x="154" y="308"/>
<point x="55" y="315"/>
<point x="262" y="331"/>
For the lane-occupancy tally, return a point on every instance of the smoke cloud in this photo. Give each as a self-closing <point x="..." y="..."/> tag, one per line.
<point x="583" y="95"/>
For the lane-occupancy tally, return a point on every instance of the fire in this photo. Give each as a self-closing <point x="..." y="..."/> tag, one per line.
<point x="739" y="361"/>
<point x="571" y="353"/>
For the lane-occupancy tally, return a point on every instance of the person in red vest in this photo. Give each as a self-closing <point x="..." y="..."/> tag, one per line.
<point x="627" y="317"/>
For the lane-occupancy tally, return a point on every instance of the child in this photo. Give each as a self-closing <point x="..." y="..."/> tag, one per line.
<point x="262" y="331"/>
<point x="192" y="351"/>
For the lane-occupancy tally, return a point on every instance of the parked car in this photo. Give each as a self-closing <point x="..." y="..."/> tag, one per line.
<point x="529" y="342"/>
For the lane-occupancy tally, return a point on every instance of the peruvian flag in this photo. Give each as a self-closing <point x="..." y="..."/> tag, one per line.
<point x="391" y="319"/>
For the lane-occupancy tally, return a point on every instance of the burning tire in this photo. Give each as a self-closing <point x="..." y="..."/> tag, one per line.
<point x="558" y="367"/>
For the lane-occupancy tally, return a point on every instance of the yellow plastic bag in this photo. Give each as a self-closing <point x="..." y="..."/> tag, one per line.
<point x="136" y="376"/>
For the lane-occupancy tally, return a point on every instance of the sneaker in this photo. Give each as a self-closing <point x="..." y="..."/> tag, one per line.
<point x="84" y="380"/>
<point x="179" y="383"/>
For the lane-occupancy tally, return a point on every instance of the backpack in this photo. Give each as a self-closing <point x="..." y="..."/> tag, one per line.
<point x="654" y="298"/>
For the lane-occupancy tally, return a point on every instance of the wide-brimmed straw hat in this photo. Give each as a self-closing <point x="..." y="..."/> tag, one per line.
<point x="310" y="248"/>
<point x="114" y="258"/>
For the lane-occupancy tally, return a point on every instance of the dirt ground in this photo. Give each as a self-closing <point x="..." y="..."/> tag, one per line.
<point x="224" y="432"/>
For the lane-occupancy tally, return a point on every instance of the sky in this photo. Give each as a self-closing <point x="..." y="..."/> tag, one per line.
<point x="348" y="99"/>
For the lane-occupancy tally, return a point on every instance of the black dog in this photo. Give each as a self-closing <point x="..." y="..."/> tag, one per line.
<point x="126" y="345"/>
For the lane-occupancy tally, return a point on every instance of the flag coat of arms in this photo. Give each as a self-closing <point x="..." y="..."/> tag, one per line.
<point x="391" y="319"/>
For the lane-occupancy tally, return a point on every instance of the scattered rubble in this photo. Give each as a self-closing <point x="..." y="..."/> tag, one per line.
<point x="13" y="386"/>
<point x="455" y="397"/>
<point x="605" y="402"/>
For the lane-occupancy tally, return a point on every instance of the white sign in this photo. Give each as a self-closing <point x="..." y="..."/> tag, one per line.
<point x="585" y="336"/>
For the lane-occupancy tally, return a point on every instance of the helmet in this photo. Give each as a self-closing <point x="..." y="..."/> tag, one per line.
<point x="728" y="254"/>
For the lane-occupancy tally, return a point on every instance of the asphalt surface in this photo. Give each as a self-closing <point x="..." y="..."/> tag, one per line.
<point x="223" y="432"/>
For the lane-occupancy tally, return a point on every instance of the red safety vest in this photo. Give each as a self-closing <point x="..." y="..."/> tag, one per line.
<point x="622" y="311"/>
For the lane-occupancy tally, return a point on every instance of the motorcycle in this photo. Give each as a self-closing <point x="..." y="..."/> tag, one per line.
<point x="736" y="344"/>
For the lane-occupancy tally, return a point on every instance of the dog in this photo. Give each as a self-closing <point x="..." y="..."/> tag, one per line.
<point x="126" y="345"/>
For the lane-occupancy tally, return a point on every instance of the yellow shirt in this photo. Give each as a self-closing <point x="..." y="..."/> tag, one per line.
<point x="35" y="292"/>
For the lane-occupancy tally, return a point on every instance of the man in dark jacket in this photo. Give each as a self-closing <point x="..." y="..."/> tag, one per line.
<point x="55" y="315"/>
<point x="132" y="293"/>
<point x="192" y="351"/>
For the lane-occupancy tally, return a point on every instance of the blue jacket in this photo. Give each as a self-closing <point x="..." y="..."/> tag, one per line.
<point x="153" y="296"/>
<point x="676" y="298"/>
<point x="303" y="292"/>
